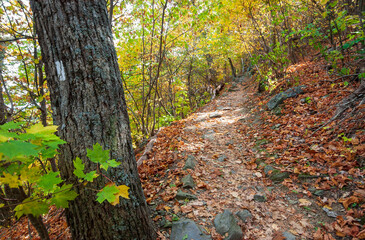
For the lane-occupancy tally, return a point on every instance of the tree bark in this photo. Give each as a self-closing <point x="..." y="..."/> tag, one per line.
<point x="88" y="105"/>
<point x="3" y="112"/>
<point x="232" y="68"/>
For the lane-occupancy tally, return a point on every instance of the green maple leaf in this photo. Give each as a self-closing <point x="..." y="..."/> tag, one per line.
<point x="79" y="168"/>
<point x="38" y="131"/>
<point x="16" y="148"/>
<point x="107" y="193"/>
<point x="90" y="176"/>
<point x="11" y="125"/>
<point x="5" y="135"/>
<point x="31" y="206"/>
<point x="109" y="163"/>
<point x="48" y="153"/>
<point x="63" y="196"/>
<point x="113" y="163"/>
<point x="55" y="142"/>
<point x="97" y="154"/>
<point x="49" y="181"/>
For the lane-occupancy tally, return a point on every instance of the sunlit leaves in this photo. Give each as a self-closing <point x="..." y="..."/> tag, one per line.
<point x="11" y="179"/>
<point x="32" y="205"/>
<point x="25" y="164"/>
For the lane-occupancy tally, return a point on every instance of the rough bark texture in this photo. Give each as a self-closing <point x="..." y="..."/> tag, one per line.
<point x="88" y="106"/>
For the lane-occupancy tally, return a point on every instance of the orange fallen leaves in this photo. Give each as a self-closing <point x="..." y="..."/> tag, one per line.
<point x="348" y="201"/>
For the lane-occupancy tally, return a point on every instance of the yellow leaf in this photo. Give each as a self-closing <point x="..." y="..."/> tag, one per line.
<point x="12" y="180"/>
<point x="123" y="192"/>
<point x="2" y="205"/>
<point x="39" y="128"/>
<point x="304" y="202"/>
<point x="328" y="207"/>
<point x="37" y="142"/>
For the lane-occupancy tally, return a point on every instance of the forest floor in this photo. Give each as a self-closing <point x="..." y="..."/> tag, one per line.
<point x="238" y="148"/>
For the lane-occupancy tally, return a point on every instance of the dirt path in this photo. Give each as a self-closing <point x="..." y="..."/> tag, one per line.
<point x="225" y="173"/>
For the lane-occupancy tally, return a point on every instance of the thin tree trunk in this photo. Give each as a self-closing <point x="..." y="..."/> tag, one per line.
<point x="89" y="107"/>
<point x="232" y="68"/>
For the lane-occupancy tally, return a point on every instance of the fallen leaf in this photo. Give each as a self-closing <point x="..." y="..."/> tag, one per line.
<point x="176" y="209"/>
<point x="360" y="193"/>
<point x="234" y="194"/>
<point x="318" y="235"/>
<point x="348" y="201"/>
<point x="361" y="235"/>
<point x="186" y="209"/>
<point x="275" y="227"/>
<point x="304" y="202"/>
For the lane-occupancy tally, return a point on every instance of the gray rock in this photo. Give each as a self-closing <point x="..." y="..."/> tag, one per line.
<point x="267" y="169"/>
<point x="188" y="181"/>
<point x="330" y="213"/>
<point x="168" y="224"/>
<point x="209" y="135"/>
<point x="215" y="115"/>
<point x="165" y="223"/>
<point x="244" y="215"/>
<point x="226" y="223"/>
<point x="260" y="188"/>
<point x="187" y="229"/>
<point x="222" y="158"/>
<point x="190" y="162"/>
<point x="180" y="195"/>
<point x="277" y="111"/>
<point x="289" y="236"/>
<point x="278" y="176"/>
<point x="259" y="198"/>
<point x="279" y="98"/>
<point x="318" y="192"/>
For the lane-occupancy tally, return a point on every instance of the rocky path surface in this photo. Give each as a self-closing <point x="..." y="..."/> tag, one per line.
<point x="213" y="180"/>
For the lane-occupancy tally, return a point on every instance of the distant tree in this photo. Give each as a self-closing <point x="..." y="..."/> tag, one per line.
<point x="89" y="107"/>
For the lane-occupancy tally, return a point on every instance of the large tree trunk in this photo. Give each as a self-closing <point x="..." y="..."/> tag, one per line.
<point x="88" y="106"/>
